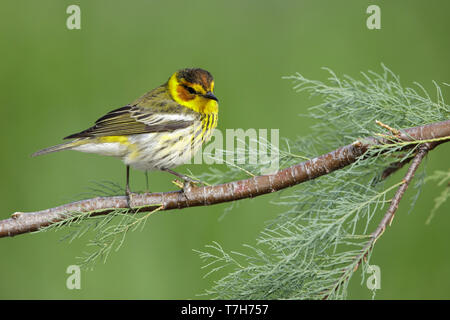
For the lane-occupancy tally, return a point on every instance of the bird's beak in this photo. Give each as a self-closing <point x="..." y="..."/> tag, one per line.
<point x="210" y="95"/>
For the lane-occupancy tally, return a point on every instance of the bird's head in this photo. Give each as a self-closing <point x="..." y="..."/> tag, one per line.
<point x="193" y="88"/>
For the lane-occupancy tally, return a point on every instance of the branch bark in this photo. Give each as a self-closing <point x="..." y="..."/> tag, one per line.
<point x="22" y="222"/>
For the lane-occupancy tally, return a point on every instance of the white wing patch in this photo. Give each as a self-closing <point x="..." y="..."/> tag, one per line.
<point x="161" y="118"/>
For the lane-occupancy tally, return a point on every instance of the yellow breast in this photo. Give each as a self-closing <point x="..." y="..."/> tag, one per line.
<point x="209" y="122"/>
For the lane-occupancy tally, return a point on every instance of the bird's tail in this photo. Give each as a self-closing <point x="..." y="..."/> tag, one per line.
<point x="59" y="147"/>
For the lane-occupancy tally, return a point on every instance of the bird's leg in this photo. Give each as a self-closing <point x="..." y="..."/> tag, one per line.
<point x="127" y="190"/>
<point x="182" y="176"/>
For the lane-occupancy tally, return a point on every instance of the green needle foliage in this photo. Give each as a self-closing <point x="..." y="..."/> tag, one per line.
<point x="313" y="248"/>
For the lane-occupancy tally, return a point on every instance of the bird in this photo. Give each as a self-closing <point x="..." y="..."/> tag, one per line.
<point x="160" y="130"/>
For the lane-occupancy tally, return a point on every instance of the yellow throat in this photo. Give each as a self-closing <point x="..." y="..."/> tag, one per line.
<point x="178" y="89"/>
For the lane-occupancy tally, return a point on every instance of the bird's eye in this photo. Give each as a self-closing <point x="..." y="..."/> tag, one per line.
<point x="190" y="89"/>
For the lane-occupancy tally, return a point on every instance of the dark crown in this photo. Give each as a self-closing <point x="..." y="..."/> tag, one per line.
<point x="196" y="75"/>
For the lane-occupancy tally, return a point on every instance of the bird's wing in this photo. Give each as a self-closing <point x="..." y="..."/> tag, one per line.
<point x="136" y="119"/>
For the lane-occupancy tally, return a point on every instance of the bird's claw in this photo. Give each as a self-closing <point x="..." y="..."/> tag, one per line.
<point x="178" y="183"/>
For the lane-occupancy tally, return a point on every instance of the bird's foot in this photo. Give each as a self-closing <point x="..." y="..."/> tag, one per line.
<point x="129" y="196"/>
<point x="187" y="185"/>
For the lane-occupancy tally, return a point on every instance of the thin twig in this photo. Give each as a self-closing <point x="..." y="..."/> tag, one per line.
<point x="394" y="131"/>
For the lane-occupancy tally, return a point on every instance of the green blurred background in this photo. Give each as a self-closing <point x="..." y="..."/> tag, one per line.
<point x="55" y="81"/>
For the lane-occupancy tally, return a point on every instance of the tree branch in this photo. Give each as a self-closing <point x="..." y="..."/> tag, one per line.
<point x="21" y="222"/>
<point x="388" y="217"/>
